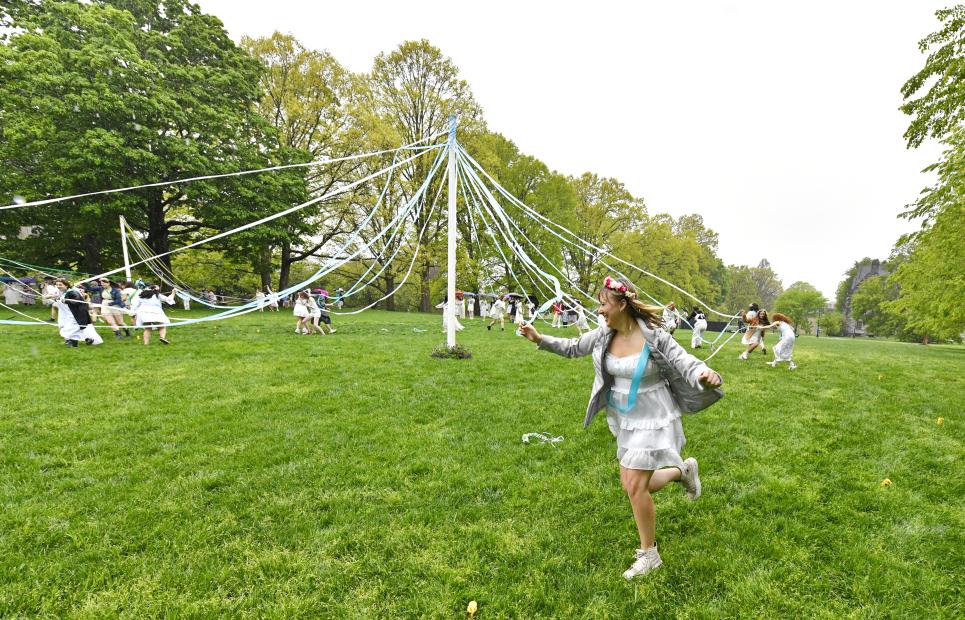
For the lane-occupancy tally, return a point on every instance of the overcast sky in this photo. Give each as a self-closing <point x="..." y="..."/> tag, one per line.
<point x="777" y="122"/>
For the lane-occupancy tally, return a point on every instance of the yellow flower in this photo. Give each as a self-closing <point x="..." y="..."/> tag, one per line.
<point x="471" y="609"/>
<point x="940" y="421"/>
<point x="886" y="482"/>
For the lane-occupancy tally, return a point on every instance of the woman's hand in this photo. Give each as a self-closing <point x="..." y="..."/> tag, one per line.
<point x="710" y="379"/>
<point x="530" y="332"/>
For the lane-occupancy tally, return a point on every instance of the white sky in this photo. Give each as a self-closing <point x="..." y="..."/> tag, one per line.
<point x="778" y="122"/>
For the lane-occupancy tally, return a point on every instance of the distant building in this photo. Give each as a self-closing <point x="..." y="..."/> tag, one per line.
<point x="853" y="326"/>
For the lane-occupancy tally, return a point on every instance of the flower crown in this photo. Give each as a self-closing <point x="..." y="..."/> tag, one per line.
<point x="620" y="287"/>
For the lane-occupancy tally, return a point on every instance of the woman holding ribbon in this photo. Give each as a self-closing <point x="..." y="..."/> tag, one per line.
<point x="632" y="356"/>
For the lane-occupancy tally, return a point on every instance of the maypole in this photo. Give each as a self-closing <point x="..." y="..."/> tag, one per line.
<point x="127" y="260"/>
<point x="451" y="266"/>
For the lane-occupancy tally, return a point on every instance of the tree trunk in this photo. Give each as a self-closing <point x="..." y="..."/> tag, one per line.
<point x="264" y="267"/>
<point x="92" y="256"/>
<point x="157" y="230"/>
<point x="389" y="302"/>
<point x="424" y="301"/>
<point x="286" y="265"/>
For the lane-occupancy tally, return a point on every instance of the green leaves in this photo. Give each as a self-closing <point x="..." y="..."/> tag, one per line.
<point x="800" y="302"/>
<point x="937" y="112"/>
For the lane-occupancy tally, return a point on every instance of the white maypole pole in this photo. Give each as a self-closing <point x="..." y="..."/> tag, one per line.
<point x="127" y="260"/>
<point x="451" y="267"/>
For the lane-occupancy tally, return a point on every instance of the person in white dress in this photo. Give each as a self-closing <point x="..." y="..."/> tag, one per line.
<point x="670" y="318"/>
<point x="50" y="295"/>
<point x="149" y="312"/>
<point x="73" y="316"/>
<point x="470" y="303"/>
<point x="129" y="294"/>
<point x="750" y="337"/>
<point x="315" y="315"/>
<point x="582" y="325"/>
<point x="460" y="305"/>
<point x="11" y="294"/>
<point x="784" y="349"/>
<point x="518" y="318"/>
<point x="630" y="352"/>
<point x="698" y="320"/>
<point x="498" y="313"/>
<point x="302" y="314"/>
<point x="445" y="316"/>
<point x="260" y="300"/>
<point x="272" y="300"/>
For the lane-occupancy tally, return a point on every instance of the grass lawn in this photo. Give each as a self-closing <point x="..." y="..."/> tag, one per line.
<point x="245" y="471"/>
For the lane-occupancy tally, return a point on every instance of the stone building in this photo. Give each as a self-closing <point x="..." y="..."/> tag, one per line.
<point x="852" y="325"/>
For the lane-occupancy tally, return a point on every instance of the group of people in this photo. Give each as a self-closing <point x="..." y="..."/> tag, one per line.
<point x="518" y="308"/>
<point x="77" y="308"/>
<point x="757" y="322"/>
<point x="311" y="314"/>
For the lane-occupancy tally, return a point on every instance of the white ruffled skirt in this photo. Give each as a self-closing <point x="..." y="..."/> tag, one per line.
<point x="649" y="436"/>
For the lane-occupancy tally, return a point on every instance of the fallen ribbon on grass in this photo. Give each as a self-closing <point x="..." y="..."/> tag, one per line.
<point x="543" y="438"/>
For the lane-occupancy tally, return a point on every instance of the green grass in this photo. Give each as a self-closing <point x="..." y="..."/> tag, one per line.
<point x="245" y="471"/>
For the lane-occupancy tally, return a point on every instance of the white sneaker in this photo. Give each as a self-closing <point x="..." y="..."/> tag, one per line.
<point x="772" y="364"/>
<point x="792" y="366"/>
<point x="742" y="356"/>
<point x="647" y="560"/>
<point x="690" y="480"/>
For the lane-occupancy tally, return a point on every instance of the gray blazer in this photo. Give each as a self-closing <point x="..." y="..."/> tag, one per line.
<point x="664" y="351"/>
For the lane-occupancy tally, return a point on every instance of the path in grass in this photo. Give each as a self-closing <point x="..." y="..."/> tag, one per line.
<point x="245" y="470"/>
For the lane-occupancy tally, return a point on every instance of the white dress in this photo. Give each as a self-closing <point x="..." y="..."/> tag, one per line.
<point x="70" y="329"/>
<point x="650" y="435"/>
<point x="300" y="308"/>
<point x="313" y="310"/>
<point x="445" y="316"/>
<point x="785" y="347"/>
<point x="150" y="310"/>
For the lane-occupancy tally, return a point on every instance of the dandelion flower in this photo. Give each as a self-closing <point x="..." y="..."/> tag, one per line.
<point x="886" y="482"/>
<point x="940" y="421"/>
<point x="471" y="608"/>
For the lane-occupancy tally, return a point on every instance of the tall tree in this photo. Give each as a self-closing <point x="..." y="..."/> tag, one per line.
<point x="931" y="281"/>
<point x="767" y="283"/>
<point x="125" y="92"/>
<point x="605" y="212"/>
<point x="310" y="100"/>
<point x="801" y="302"/>
<point x="415" y="88"/>
<point x="741" y="288"/>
